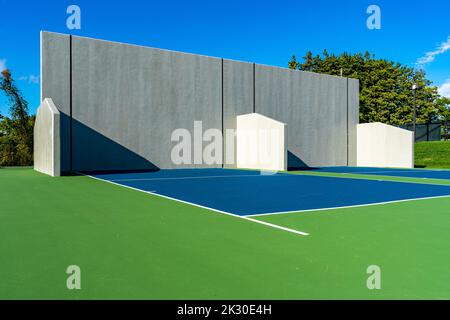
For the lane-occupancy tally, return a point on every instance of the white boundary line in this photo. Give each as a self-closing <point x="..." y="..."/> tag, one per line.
<point x="190" y="178"/>
<point x="347" y="207"/>
<point x="380" y="173"/>
<point x="203" y="207"/>
<point x="379" y="178"/>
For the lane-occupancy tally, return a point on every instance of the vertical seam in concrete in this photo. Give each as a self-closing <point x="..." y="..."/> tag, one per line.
<point x="223" y="125"/>
<point x="348" y="134"/>
<point x="71" y="105"/>
<point x="254" y="88"/>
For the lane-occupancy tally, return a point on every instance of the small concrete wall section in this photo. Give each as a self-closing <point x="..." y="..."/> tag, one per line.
<point x="121" y="103"/>
<point x="47" y="155"/>
<point x="261" y="143"/>
<point x="384" y="146"/>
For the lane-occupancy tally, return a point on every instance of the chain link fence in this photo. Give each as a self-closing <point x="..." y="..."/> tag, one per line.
<point x="435" y="131"/>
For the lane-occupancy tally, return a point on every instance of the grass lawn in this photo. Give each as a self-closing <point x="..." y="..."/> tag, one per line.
<point x="433" y="154"/>
<point x="131" y="245"/>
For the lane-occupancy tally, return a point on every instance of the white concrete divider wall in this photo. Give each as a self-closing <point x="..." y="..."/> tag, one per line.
<point x="261" y="143"/>
<point x="47" y="144"/>
<point x="384" y="146"/>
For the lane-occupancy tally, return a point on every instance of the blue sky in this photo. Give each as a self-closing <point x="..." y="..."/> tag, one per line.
<point x="266" y="32"/>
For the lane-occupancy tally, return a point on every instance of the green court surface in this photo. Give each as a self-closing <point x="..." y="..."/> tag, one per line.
<point x="132" y="245"/>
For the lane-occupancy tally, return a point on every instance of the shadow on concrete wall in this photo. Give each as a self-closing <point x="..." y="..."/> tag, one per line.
<point x="297" y="164"/>
<point x="92" y="152"/>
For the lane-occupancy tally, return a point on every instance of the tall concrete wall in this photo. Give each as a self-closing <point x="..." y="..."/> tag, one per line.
<point x="121" y="103"/>
<point x="47" y="153"/>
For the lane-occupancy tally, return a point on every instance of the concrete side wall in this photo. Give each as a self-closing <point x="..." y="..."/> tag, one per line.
<point x="55" y="84"/>
<point x="47" y="143"/>
<point x="128" y="100"/>
<point x="261" y="143"/>
<point x="237" y="100"/>
<point x="384" y="146"/>
<point x="353" y="120"/>
<point x="314" y="107"/>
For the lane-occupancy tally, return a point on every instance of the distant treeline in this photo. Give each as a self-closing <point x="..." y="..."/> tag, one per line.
<point x="16" y="131"/>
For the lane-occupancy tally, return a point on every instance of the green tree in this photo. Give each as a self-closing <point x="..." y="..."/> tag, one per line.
<point x="16" y="132"/>
<point x="385" y="87"/>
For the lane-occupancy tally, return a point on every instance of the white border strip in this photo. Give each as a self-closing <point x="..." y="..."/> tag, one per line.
<point x="347" y="207"/>
<point x="380" y="173"/>
<point x="190" y="178"/>
<point x="203" y="207"/>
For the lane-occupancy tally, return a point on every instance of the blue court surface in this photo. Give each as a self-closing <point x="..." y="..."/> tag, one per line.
<point x="407" y="173"/>
<point x="246" y="193"/>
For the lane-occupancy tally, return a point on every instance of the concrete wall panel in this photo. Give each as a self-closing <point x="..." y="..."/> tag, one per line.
<point x="237" y="100"/>
<point x="55" y="84"/>
<point x="128" y="100"/>
<point x="353" y="120"/>
<point x="314" y="107"/>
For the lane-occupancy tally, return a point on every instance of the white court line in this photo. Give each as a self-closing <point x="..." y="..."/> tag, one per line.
<point x="203" y="207"/>
<point x="189" y="178"/>
<point x="346" y="207"/>
<point x="391" y="171"/>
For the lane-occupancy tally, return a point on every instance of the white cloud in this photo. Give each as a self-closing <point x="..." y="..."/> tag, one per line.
<point x="2" y="64"/>
<point x="431" y="56"/>
<point x="32" y="79"/>
<point x="444" y="90"/>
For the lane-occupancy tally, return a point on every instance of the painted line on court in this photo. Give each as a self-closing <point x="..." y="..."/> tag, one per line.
<point x="374" y="177"/>
<point x="375" y="172"/>
<point x="203" y="207"/>
<point x="347" y="207"/>
<point x="188" y="178"/>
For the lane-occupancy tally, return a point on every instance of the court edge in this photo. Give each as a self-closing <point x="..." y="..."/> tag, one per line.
<point x="267" y="224"/>
<point x="347" y="207"/>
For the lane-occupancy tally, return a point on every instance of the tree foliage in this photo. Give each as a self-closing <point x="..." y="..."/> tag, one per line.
<point x="16" y="131"/>
<point x="385" y="87"/>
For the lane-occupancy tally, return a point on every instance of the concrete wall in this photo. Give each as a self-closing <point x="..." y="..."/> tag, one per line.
<point x="129" y="100"/>
<point x="261" y="143"/>
<point x="121" y="103"/>
<point x="384" y="146"/>
<point x="353" y="120"/>
<point x="237" y="100"/>
<point x="315" y="108"/>
<point x="47" y="155"/>
<point x="55" y="84"/>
